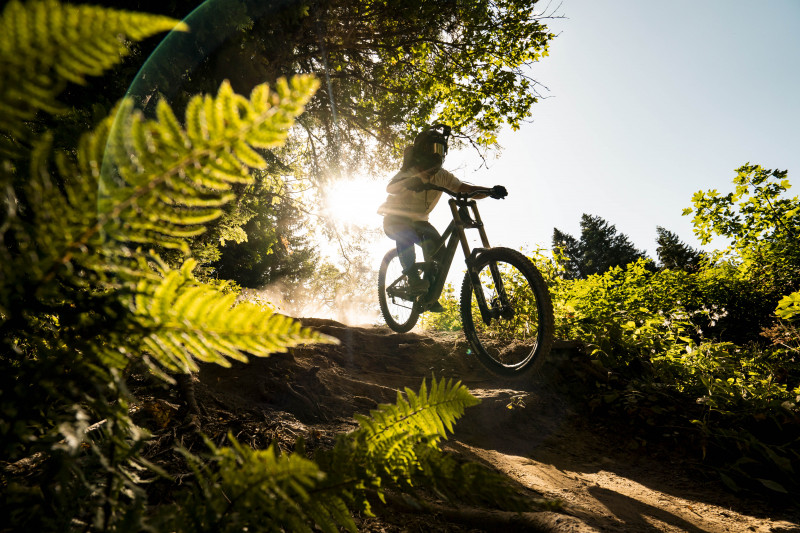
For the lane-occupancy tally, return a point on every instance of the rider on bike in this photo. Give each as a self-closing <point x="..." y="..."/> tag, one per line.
<point x="410" y="201"/>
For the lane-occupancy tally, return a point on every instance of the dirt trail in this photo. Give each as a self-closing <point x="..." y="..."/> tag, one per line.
<point x="530" y="430"/>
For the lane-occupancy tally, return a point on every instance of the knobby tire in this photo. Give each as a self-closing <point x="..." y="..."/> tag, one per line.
<point x="517" y="342"/>
<point x="397" y="316"/>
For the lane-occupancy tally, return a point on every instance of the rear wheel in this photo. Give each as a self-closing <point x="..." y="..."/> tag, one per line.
<point x="397" y="306"/>
<point x="517" y="333"/>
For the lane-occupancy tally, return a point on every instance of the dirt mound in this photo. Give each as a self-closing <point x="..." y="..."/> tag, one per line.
<point x="530" y="429"/>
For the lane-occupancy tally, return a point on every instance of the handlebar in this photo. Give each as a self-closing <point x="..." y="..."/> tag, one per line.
<point x="488" y="191"/>
<point x="463" y="195"/>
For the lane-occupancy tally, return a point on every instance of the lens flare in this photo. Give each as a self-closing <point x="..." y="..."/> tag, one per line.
<point x="355" y="202"/>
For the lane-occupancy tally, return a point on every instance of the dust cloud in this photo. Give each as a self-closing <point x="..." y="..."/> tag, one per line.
<point x="343" y="304"/>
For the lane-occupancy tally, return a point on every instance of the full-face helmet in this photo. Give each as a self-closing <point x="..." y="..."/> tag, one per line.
<point x="430" y="147"/>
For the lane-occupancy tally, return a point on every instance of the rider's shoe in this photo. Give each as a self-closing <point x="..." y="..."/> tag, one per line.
<point x="436" y="307"/>
<point x="416" y="285"/>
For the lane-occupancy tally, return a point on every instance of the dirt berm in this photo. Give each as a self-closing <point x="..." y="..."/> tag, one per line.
<point x="536" y="431"/>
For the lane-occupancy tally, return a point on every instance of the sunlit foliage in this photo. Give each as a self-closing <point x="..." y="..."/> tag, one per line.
<point x="45" y="44"/>
<point x="706" y="347"/>
<point x="80" y="300"/>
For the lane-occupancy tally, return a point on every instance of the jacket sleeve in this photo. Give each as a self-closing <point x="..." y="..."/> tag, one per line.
<point x="395" y="185"/>
<point x="445" y="179"/>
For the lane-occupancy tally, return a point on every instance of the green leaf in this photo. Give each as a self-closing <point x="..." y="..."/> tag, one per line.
<point x="773" y="485"/>
<point x="44" y="44"/>
<point x="189" y="321"/>
<point x="729" y="482"/>
<point x="789" y="306"/>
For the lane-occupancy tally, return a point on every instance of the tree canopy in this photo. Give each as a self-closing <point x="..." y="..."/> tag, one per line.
<point x="760" y="222"/>
<point x="387" y="69"/>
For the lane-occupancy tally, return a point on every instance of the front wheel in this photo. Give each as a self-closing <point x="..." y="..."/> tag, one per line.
<point x="398" y="307"/>
<point x="515" y="331"/>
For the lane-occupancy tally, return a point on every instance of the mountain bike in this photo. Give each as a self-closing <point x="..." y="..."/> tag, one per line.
<point x="506" y="311"/>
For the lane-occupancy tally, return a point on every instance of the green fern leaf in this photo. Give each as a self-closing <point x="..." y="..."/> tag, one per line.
<point x="248" y="156"/>
<point x="190" y="321"/>
<point x="195" y="164"/>
<point x="263" y="489"/>
<point x="427" y="414"/>
<point x="393" y="433"/>
<point x="171" y="133"/>
<point x="396" y="447"/>
<point x="73" y="40"/>
<point x="44" y="44"/>
<point x="165" y="187"/>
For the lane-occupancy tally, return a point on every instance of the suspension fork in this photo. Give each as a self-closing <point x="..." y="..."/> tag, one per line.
<point x="472" y="219"/>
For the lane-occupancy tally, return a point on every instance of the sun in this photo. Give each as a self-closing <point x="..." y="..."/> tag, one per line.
<point x="355" y="201"/>
<point x="351" y="204"/>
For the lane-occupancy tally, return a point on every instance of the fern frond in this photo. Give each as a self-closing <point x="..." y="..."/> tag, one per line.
<point x="396" y="447"/>
<point x="166" y="190"/>
<point x="190" y="321"/>
<point x="44" y="44"/>
<point x="426" y="414"/>
<point x="392" y="433"/>
<point x="246" y="489"/>
<point x="174" y="170"/>
<point x="263" y="490"/>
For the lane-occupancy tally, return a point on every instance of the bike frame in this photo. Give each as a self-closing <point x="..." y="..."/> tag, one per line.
<point x="465" y="216"/>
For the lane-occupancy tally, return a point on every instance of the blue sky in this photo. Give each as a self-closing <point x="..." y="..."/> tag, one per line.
<point x="647" y="102"/>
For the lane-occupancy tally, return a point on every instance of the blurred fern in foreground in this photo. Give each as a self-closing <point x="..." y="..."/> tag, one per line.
<point x="45" y="44"/>
<point x="81" y="295"/>
<point x="395" y="448"/>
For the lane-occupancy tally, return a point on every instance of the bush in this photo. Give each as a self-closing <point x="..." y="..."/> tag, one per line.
<point x="665" y="339"/>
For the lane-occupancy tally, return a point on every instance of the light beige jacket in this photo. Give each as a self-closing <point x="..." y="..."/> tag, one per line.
<point x="415" y="205"/>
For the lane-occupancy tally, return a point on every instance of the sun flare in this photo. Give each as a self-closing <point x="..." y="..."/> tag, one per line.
<point x="355" y="201"/>
<point x="351" y="204"/>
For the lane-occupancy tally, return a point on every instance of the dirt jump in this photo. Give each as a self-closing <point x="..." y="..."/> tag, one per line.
<point x="533" y="430"/>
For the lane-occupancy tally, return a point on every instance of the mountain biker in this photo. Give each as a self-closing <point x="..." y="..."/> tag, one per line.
<point x="410" y="201"/>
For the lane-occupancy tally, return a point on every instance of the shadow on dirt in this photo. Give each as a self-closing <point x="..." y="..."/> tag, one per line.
<point x="535" y="430"/>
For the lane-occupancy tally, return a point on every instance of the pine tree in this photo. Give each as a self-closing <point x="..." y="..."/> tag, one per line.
<point x="570" y="249"/>
<point x="600" y="248"/>
<point x="675" y="254"/>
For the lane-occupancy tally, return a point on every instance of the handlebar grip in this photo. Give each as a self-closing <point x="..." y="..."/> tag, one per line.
<point x="498" y="192"/>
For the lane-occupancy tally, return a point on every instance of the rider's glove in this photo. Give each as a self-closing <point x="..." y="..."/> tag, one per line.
<point x="415" y="184"/>
<point x="498" y="191"/>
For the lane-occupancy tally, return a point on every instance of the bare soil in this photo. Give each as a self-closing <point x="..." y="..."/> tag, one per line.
<point x="536" y="431"/>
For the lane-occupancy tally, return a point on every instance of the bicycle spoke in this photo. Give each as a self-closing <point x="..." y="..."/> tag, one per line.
<point x="400" y="313"/>
<point x="519" y="329"/>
